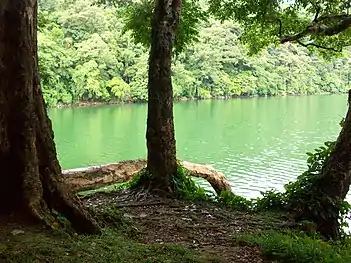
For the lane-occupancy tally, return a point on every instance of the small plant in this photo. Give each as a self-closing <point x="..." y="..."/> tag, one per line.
<point x="186" y="188"/>
<point x="133" y="182"/>
<point x="236" y="202"/>
<point x="270" y="200"/>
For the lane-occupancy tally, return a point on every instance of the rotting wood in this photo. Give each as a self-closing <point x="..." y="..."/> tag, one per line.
<point x="99" y="176"/>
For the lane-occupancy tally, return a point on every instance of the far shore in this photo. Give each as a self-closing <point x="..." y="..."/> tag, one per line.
<point x="182" y="99"/>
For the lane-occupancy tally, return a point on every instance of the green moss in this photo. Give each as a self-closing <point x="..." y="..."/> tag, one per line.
<point x="111" y="246"/>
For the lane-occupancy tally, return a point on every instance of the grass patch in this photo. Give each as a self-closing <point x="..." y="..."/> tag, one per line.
<point x="296" y="247"/>
<point x="111" y="246"/>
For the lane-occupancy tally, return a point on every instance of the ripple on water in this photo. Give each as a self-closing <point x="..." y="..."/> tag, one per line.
<point x="257" y="143"/>
<point x="249" y="175"/>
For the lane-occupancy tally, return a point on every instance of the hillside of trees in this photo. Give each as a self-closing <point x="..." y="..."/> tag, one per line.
<point x="85" y="55"/>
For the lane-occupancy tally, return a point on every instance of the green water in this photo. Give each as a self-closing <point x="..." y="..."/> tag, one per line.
<point x="257" y="143"/>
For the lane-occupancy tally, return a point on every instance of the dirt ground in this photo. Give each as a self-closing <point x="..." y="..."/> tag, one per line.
<point x="206" y="228"/>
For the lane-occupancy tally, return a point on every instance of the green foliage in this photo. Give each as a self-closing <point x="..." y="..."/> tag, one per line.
<point x="266" y="22"/>
<point x="186" y="188"/>
<point x="138" y="21"/>
<point x="305" y="185"/>
<point x="138" y="17"/>
<point x="299" y="247"/>
<point x="119" y="88"/>
<point x="234" y="201"/>
<point x="304" y="197"/>
<point x="134" y="182"/>
<point x="86" y="54"/>
<point x="271" y="200"/>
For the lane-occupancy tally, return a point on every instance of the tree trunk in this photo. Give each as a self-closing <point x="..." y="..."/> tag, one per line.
<point x="30" y="188"/>
<point x="335" y="180"/>
<point x="161" y="161"/>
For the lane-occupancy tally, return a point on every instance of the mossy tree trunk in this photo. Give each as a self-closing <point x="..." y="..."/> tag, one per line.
<point x="161" y="145"/>
<point x="335" y="181"/>
<point x="321" y="200"/>
<point x="30" y="187"/>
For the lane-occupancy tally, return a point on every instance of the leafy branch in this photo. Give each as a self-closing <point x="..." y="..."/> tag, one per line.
<point x="319" y="27"/>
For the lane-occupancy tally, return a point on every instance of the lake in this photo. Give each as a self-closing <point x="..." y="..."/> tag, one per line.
<point x="258" y="143"/>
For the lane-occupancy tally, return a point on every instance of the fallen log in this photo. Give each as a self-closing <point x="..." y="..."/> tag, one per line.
<point x="99" y="176"/>
<point x="93" y="177"/>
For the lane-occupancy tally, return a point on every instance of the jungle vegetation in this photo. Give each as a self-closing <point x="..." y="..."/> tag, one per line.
<point x="87" y="54"/>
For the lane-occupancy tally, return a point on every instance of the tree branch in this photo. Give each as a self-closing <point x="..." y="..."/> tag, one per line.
<point x="338" y="28"/>
<point x="292" y="38"/>
<point x="318" y="46"/>
<point x="318" y="9"/>
<point x="332" y="17"/>
<point x="280" y="27"/>
<point x="318" y="28"/>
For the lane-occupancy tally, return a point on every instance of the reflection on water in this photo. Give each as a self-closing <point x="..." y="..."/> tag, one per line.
<point x="257" y="143"/>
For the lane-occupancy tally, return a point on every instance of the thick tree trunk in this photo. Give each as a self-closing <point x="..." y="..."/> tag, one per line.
<point x="335" y="180"/>
<point x="30" y="188"/>
<point x="161" y="161"/>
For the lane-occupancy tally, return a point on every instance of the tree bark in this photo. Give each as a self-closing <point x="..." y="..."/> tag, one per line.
<point x="161" y="145"/>
<point x="31" y="189"/>
<point x="335" y="180"/>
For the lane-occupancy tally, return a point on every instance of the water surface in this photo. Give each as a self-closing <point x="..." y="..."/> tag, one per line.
<point x="258" y="143"/>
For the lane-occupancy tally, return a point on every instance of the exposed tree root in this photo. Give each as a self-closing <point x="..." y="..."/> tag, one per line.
<point x="104" y="175"/>
<point x="75" y="212"/>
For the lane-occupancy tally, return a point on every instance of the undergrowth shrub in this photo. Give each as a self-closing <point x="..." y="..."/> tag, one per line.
<point x="235" y="202"/>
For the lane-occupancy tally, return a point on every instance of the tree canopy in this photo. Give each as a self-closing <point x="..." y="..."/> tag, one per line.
<point x="86" y="53"/>
<point x="312" y="23"/>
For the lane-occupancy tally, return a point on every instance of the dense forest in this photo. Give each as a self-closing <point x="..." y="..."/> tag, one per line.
<point x="86" y="55"/>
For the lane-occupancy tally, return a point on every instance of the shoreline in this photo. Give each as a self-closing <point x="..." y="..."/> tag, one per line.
<point x="182" y="99"/>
